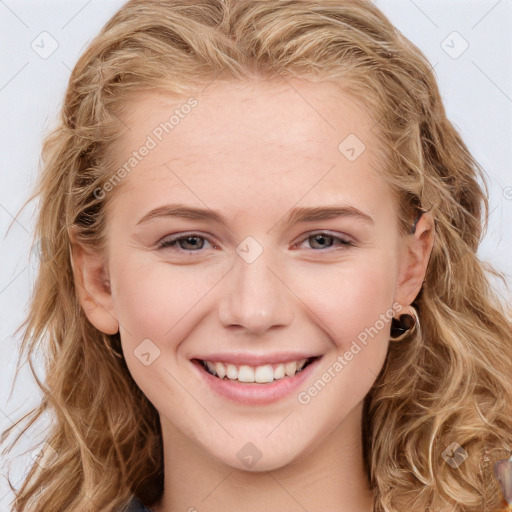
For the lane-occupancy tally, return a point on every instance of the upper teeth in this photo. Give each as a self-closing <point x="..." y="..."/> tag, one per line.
<point x="262" y="374"/>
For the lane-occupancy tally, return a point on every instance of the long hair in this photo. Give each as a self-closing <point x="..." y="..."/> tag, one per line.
<point x="446" y="390"/>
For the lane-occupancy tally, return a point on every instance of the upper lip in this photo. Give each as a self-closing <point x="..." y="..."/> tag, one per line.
<point x="239" y="358"/>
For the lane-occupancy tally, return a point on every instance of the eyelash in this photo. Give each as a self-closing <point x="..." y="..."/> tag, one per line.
<point x="171" y="242"/>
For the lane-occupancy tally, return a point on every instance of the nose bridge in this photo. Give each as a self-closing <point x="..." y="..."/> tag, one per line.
<point x="255" y="297"/>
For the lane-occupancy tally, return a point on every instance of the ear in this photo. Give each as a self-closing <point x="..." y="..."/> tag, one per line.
<point x="415" y="258"/>
<point x="93" y="286"/>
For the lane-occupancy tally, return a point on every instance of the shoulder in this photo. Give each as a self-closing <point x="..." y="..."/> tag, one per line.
<point x="137" y="506"/>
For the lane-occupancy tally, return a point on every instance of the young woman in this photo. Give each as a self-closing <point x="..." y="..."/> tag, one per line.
<point x="260" y="288"/>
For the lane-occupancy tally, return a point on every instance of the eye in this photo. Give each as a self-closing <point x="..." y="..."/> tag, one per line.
<point x="323" y="240"/>
<point x="191" y="242"/>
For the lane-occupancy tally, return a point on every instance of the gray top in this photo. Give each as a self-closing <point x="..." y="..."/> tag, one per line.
<point x="137" y="506"/>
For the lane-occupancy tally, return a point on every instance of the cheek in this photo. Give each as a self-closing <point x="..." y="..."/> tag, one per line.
<point x="157" y="306"/>
<point x="155" y="300"/>
<point x="354" y="307"/>
<point x="351" y="299"/>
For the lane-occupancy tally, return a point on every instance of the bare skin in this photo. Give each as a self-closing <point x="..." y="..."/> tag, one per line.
<point x="253" y="152"/>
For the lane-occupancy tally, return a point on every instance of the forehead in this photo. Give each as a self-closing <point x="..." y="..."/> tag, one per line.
<point x="272" y="139"/>
<point x="249" y="114"/>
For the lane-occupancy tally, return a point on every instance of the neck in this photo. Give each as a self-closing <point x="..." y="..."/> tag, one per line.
<point x="329" y="477"/>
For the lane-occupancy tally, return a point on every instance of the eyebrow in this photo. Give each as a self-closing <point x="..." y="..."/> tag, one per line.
<point x="299" y="214"/>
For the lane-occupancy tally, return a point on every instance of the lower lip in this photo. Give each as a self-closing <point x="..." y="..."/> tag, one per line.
<point x="253" y="393"/>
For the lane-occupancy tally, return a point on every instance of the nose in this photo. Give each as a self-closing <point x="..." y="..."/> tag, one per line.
<point x="255" y="297"/>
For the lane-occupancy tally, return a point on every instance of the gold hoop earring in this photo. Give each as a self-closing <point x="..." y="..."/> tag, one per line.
<point x="405" y="325"/>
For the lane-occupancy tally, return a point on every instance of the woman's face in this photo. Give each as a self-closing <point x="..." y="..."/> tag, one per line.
<point x="223" y="246"/>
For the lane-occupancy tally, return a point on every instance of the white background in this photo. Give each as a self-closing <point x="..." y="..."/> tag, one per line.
<point x="476" y="86"/>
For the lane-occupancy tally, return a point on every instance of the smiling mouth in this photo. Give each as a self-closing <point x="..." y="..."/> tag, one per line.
<point x="264" y="374"/>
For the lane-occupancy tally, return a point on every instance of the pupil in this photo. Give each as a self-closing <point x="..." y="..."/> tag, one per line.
<point x="322" y="238"/>
<point x="188" y="241"/>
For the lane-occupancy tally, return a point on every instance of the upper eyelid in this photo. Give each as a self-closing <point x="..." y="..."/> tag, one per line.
<point x="327" y="232"/>
<point x="178" y="236"/>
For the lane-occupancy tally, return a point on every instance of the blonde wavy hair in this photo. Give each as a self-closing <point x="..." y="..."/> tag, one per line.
<point x="449" y="383"/>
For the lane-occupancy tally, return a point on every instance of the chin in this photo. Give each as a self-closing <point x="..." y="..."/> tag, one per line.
<point x="257" y="456"/>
